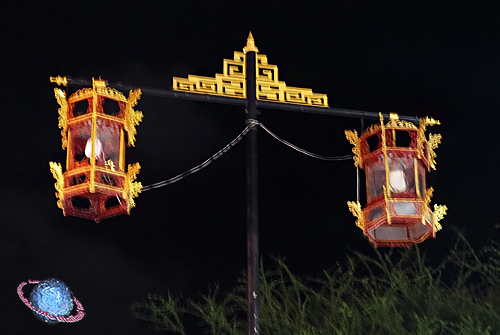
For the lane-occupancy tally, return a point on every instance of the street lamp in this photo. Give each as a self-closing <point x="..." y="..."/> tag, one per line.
<point x="249" y="80"/>
<point x="395" y="157"/>
<point x="96" y="125"/>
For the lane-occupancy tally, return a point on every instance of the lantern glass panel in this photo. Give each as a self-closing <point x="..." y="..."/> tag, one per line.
<point x="418" y="230"/>
<point x="389" y="233"/>
<point x="428" y="216"/>
<point x="401" y="173"/>
<point x="80" y="136"/>
<point x="375" y="213"/>
<point x="404" y="208"/>
<point x="421" y="178"/>
<point x="109" y="135"/>
<point x="375" y="178"/>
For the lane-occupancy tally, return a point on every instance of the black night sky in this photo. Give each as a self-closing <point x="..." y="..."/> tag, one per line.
<point x="415" y="58"/>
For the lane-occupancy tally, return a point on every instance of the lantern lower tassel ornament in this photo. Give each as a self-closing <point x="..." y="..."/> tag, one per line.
<point x="395" y="157"/>
<point x="97" y="124"/>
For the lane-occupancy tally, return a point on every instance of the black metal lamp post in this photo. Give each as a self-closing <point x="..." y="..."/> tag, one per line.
<point x="252" y="191"/>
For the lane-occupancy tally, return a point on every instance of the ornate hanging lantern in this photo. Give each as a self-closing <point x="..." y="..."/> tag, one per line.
<point x="395" y="157"/>
<point x="96" y="125"/>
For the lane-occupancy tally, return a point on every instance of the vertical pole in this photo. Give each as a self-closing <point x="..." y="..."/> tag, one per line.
<point x="252" y="196"/>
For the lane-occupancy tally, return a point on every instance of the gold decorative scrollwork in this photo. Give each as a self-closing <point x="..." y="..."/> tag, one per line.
<point x="56" y="170"/>
<point x="400" y="124"/>
<point x="434" y="140"/>
<point x="229" y="84"/>
<point x="428" y="195"/>
<point x="352" y="137"/>
<point x="132" y="188"/>
<point x="109" y="164"/>
<point x="355" y="208"/>
<point x="433" y="143"/>
<point x="269" y="88"/>
<point x="111" y="93"/>
<point x="63" y="115"/>
<point x="427" y="121"/>
<point x="232" y="83"/>
<point x="132" y="117"/>
<point x="439" y="212"/>
<point x="59" y="80"/>
<point x="81" y="94"/>
<point x="371" y="129"/>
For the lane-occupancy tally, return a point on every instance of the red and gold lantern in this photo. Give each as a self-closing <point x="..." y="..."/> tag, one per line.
<point x="395" y="157"/>
<point x="97" y="124"/>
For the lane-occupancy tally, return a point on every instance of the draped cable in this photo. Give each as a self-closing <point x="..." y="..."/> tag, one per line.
<point x="204" y="164"/>
<point x="305" y="152"/>
<point x="250" y="124"/>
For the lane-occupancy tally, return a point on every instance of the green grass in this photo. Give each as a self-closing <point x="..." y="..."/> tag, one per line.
<point x="395" y="292"/>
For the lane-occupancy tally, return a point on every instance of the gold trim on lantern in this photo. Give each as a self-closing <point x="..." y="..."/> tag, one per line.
<point x="93" y="137"/>
<point x="439" y="212"/>
<point x="59" y="80"/>
<point x="352" y="137"/>
<point x="56" y="170"/>
<point x="386" y="157"/>
<point x="132" y="188"/>
<point x="63" y="115"/>
<point x="434" y="140"/>
<point x="132" y="117"/>
<point x="355" y="208"/>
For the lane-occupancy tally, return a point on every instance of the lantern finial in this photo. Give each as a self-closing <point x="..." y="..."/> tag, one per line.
<point x="59" y="80"/>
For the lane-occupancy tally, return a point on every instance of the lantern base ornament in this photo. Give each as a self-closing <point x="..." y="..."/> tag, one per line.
<point x="96" y="125"/>
<point x="395" y="157"/>
<point x="113" y="192"/>
<point x="403" y="223"/>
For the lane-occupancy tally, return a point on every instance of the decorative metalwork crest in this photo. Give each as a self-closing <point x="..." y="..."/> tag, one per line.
<point x="269" y="88"/>
<point x="232" y="82"/>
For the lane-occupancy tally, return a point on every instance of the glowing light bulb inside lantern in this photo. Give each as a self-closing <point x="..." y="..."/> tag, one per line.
<point x="97" y="148"/>
<point x="397" y="181"/>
